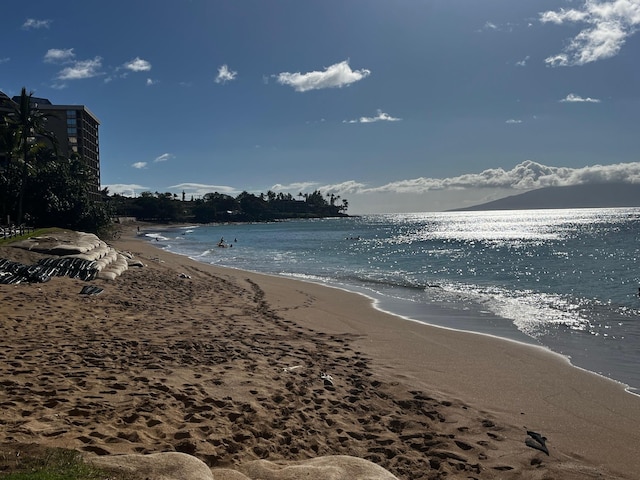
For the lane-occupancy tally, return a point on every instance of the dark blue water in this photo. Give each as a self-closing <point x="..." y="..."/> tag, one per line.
<point x="564" y="279"/>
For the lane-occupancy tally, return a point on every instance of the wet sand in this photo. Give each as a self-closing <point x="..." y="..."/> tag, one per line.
<point x="232" y="366"/>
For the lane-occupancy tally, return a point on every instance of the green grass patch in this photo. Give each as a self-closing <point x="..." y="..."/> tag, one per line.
<point x="35" y="233"/>
<point x="58" y="464"/>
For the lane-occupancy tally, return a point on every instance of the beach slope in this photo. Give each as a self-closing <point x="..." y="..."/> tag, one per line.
<point x="233" y="367"/>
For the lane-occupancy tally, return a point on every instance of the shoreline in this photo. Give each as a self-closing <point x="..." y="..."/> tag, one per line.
<point x="532" y="343"/>
<point x="226" y="365"/>
<point x="551" y="396"/>
<point x="435" y="309"/>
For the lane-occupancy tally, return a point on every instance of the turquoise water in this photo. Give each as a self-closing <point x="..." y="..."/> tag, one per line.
<point x="564" y="279"/>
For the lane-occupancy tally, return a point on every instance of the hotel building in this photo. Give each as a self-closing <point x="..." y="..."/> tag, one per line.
<point x="76" y="131"/>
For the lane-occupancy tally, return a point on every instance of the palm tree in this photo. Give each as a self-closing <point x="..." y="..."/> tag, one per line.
<point x="28" y="123"/>
<point x="332" y="198"/>
<point x="8" y="144"/>
<point x="8" y="151"/>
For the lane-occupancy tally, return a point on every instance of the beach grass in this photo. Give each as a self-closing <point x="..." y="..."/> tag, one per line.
<point x="52" y="464"/>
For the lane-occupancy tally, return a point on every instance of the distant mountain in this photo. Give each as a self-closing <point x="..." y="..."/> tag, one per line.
<point x="577" y="196"/>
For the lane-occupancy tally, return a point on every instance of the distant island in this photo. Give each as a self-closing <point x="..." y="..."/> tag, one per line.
<point x="606" y="195"/>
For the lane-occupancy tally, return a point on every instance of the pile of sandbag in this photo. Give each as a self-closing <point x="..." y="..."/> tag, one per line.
<point x="78" y="255"/>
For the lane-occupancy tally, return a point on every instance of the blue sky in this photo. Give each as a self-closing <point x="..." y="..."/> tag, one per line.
<point x="400" y="105"/>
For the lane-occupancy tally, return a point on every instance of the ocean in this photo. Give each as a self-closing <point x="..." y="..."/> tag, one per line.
<point x="567" y="280"/>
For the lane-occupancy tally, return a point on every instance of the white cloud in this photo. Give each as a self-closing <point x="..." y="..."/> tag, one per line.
<point x="138" y="65"/>
<point x="523" y="62"/>
<point x="446" y="193"/>
<point x="127" y="190"/>
<point x="81" y="69"/>
<point x="572" y="97"/>
<point x="608" y="25"/>
<point x="380" y="117"/>
<point x="151" y="81"/>
<point x="164" y="157"/>
<point x="563" y="15"/>
<point x="557" y="60"/>
<point x="58" y="55"/>
<point x="436" y="194"/>
<point x="200" y="189"/>
<point x="528" y="175"/>
<point x="33" y="23"/>
<point x="295" y="187"/>
<point x="350" y="187"/>
<point x="337" y="75"/>
<point x="225" y="75"/>
<point x="493" y="27"/>
<point x="513" y="121"/>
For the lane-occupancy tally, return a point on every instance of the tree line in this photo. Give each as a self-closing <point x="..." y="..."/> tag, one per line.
<point x="219" y="207"/>
<point x="40" y="187"/>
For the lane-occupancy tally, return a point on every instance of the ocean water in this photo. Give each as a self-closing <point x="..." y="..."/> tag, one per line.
<point x="567" y="280"/>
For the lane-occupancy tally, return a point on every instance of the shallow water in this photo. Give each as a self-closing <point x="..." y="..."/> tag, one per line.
<point x="565" y="279"/>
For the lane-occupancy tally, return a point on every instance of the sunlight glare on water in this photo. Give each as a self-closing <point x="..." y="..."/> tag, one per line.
<point x="565" y="278"/>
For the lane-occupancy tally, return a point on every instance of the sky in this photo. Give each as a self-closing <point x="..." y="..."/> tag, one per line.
<point x="396" y="106"/>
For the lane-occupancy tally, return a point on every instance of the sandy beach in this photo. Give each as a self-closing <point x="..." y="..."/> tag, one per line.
<point x="231" y="366"/>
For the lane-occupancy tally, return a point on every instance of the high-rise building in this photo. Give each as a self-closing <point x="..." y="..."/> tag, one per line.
<point x="76" y="131"/>
<point x="7" y="106"/>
